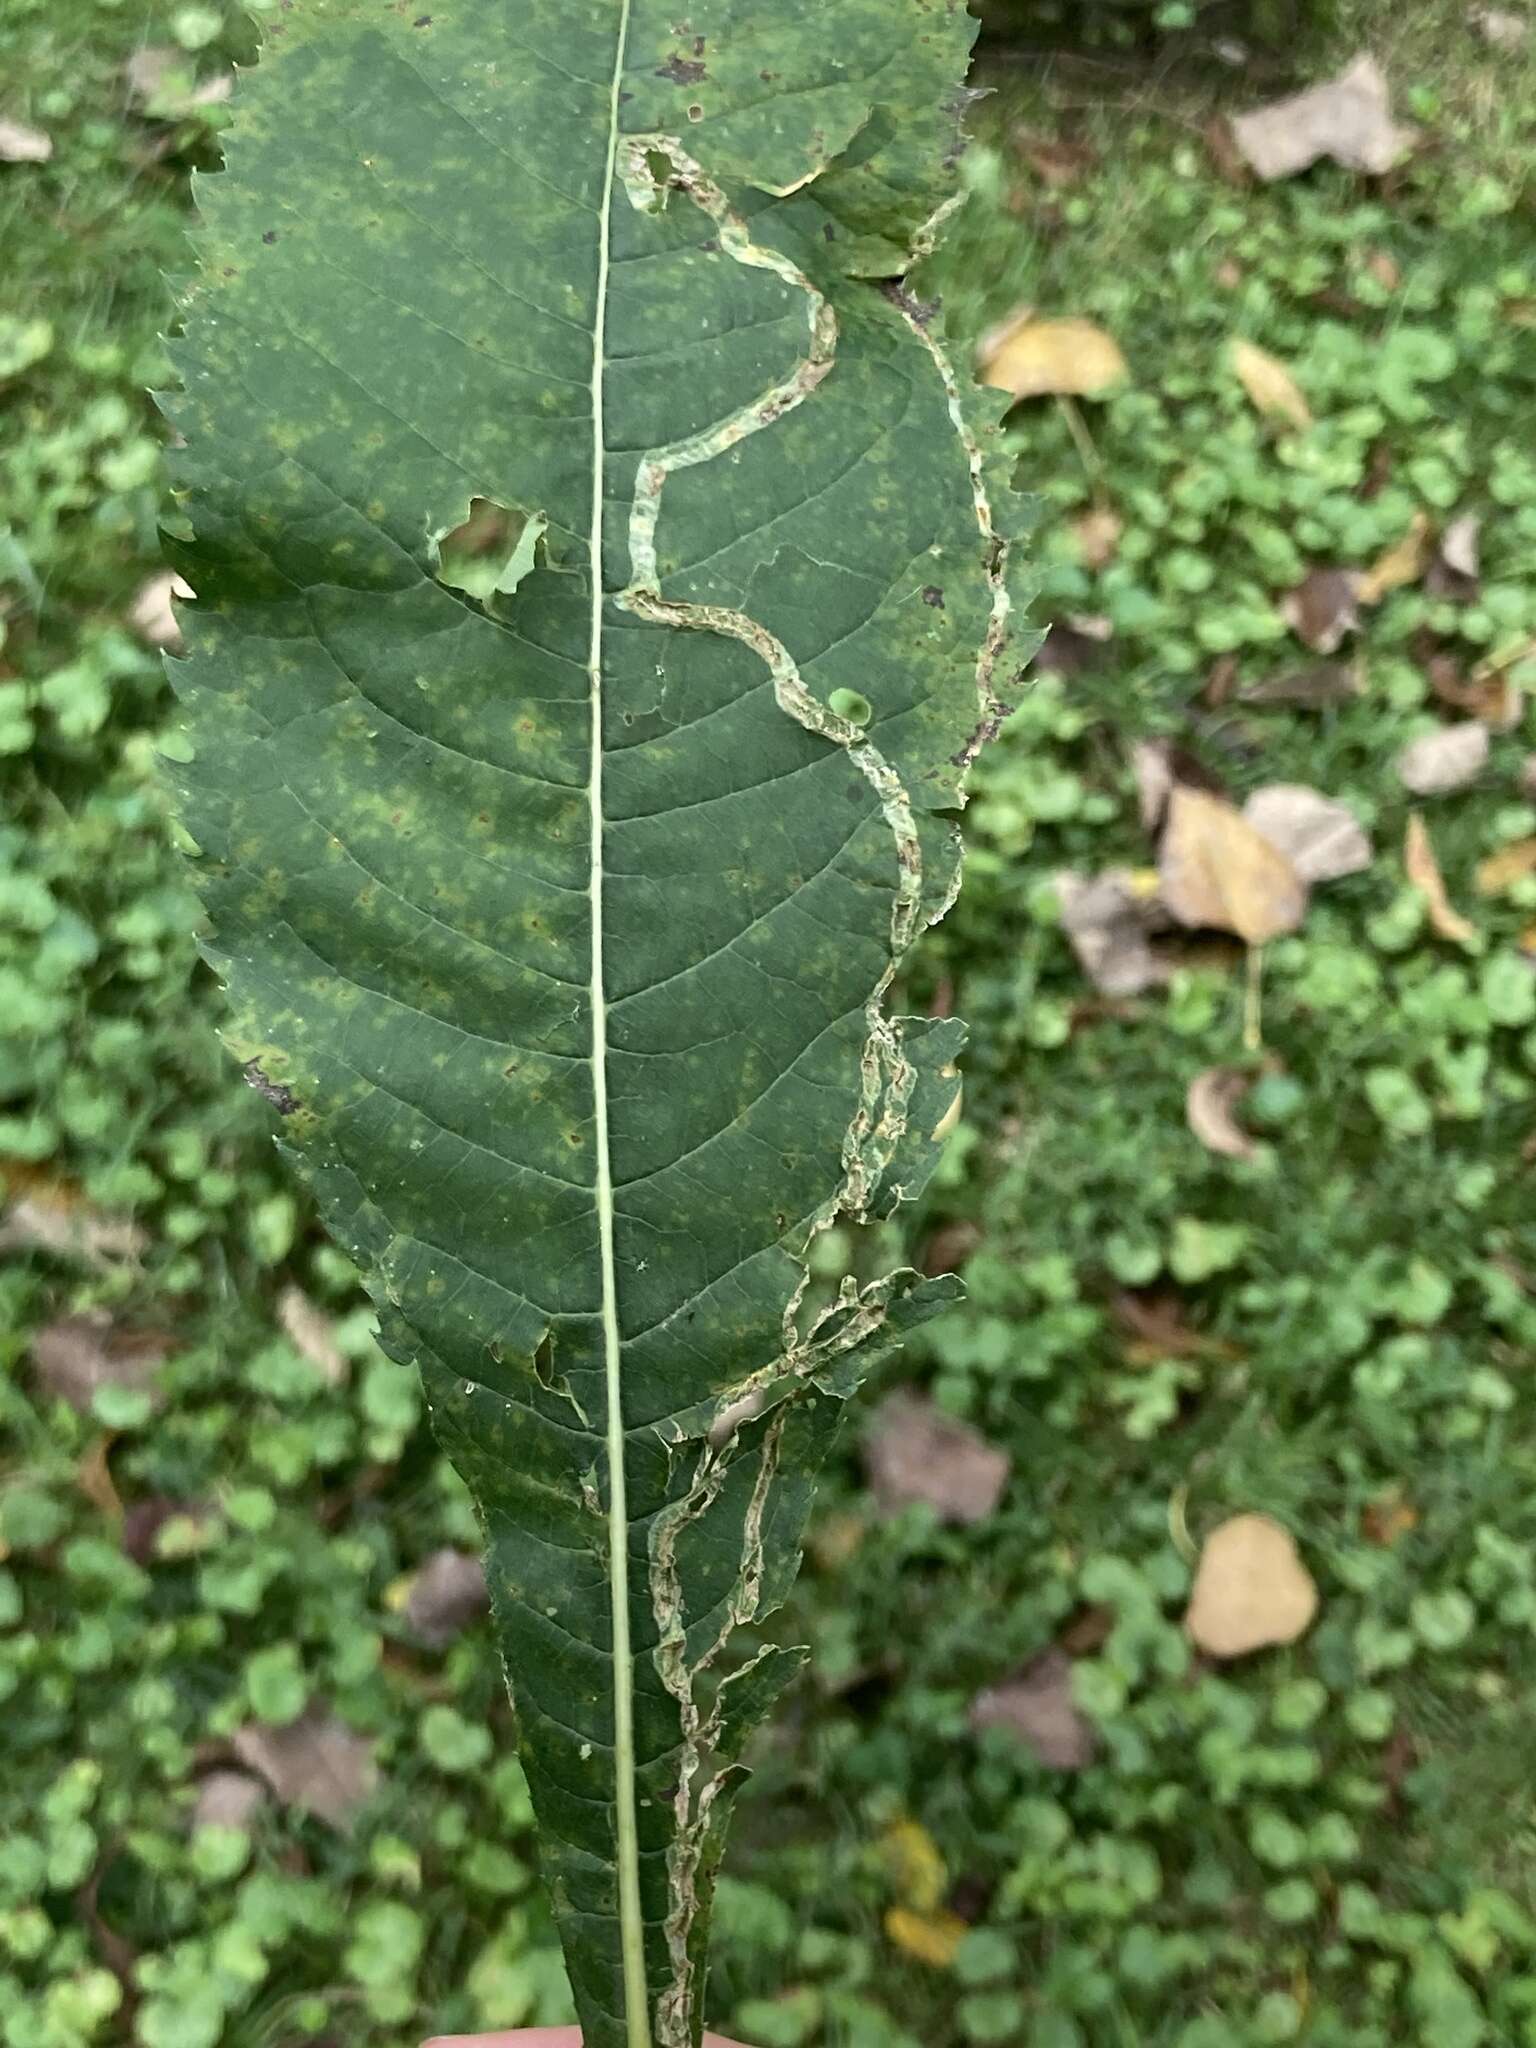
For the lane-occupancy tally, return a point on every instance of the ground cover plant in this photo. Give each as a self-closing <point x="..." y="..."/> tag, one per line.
<point x="251" y="1702"/>
<point x="558" y="925"/>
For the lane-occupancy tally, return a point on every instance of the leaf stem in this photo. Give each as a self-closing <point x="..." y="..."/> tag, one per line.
<point x="637" y="2026"/>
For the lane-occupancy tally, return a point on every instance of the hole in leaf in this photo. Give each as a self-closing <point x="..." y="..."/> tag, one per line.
<point x="850" y="704"/>
<point x="544" y="1359"/>
<point x="659" y="166"/>
<point x="488" y="554"/>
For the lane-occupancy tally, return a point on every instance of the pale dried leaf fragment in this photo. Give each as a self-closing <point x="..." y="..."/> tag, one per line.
<point x="445" y="1596"/>
<point x="1251" y="1589"/>
<point x="1401" y="564"/>
<point x="1496" y="25"/>
<point x="152" y="614"/>
<point x="1064" y="358"/>
<point x="1321" y="838"/>
<point x="916" y="1455"/>
<point x="1109" y="921"/>
<point x="1348" y="118"/>
<point x="1270" y="386"/>
<point x="20" y="143"/>
<point x="1097" y="534"/>
<point x="78" y="1355"/>
<point x="1323" y="609"/>
<point x="228" y="1799"/>
<point x="49" y="1215"/>
<point x="312" y="1334"/>
<point x="1218" y="870"/>
<point x="1501" y="870"/>
<point x="161" y="77"/>
<point x="1455" y="572"/>
<point x="1423" y="871"/>
<point x="1038" y="1707"/>
<point x="1209" y="1102"/>
<point x="316" y="1763"/>
<point x="1447" y="759"/>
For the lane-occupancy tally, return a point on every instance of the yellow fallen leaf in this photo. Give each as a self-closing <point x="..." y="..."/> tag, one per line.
<point x="1065" y="358"/>
<point x="932" y="1937"/>
<point x="1424" y="872"/>
<point x="1403" y="563"/>
<point x="1501" y="870"/>
<point x="1269" y="384"/>
<point x="1217" y="870"/>
<point x="1251" y="1589"/>
<point x="914" y="1864"/>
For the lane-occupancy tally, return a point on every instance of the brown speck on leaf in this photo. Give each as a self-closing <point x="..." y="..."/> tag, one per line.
<point x="282" y="1099"/>
<point x="270" y="237"/>
<point x="682" y="71"/>
<point x="934" y="596"/>
<point x="422" y="21"/>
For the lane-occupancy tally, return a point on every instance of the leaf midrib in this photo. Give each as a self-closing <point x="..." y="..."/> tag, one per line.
<point x="631" y="1925"/>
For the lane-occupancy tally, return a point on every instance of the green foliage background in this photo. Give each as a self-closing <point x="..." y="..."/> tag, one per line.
<point x="1332" y="1844"/>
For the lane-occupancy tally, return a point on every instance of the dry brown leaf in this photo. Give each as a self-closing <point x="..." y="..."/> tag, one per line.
<point x="93" y="1476"/>
<point x="1323" y="609"/>
<point x="1402" y="563"/>
<point x="1312" y="689"/>
<point x="1491" y="695"/>
<point x="932" y="1938"/>
<point x="1384" y="269"/>
<point x="78" y="1355"/>
<point x="1501" y="870"/>
<point x="445" y="1596"/>
<point x="1157" y="1330"/>
<point x="946" y="1249"/>
<point x="23" y="144"/>
<point x="1097" y="534"/>
<point x="1037" y="1706"/>
<point x="1387" y="1520"/>
<point x="1217" y="870"/>
<point x="1348" y="118"/>
<point x="228" y="1799"/>
<point x="1209" y="1101"/>
<point x="1110" y="921"/>
<point x="1456" y="570"/>
<point x="317" y="1764"/>
<point x="1269" y="384"/>
<point x="144" y="1519"/>
<point x="1251" y="1589"/>
<point x="1323" y="840"/>
<point x="1063" y="358"/>
<point x="50" y="1215"/>
<point x="1055" y="160"/>
<point x="1446" y="759"/>
<point x="1423" y="871"/>
<point x="152" y="615"/>
<point x="312" y="1334"/>
<point x="914" y="1454"/>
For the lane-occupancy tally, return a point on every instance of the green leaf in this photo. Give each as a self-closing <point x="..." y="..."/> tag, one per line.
<point x="559" y="904"/>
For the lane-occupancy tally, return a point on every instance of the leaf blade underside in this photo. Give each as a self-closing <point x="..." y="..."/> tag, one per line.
<point x="562" y="926"/>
